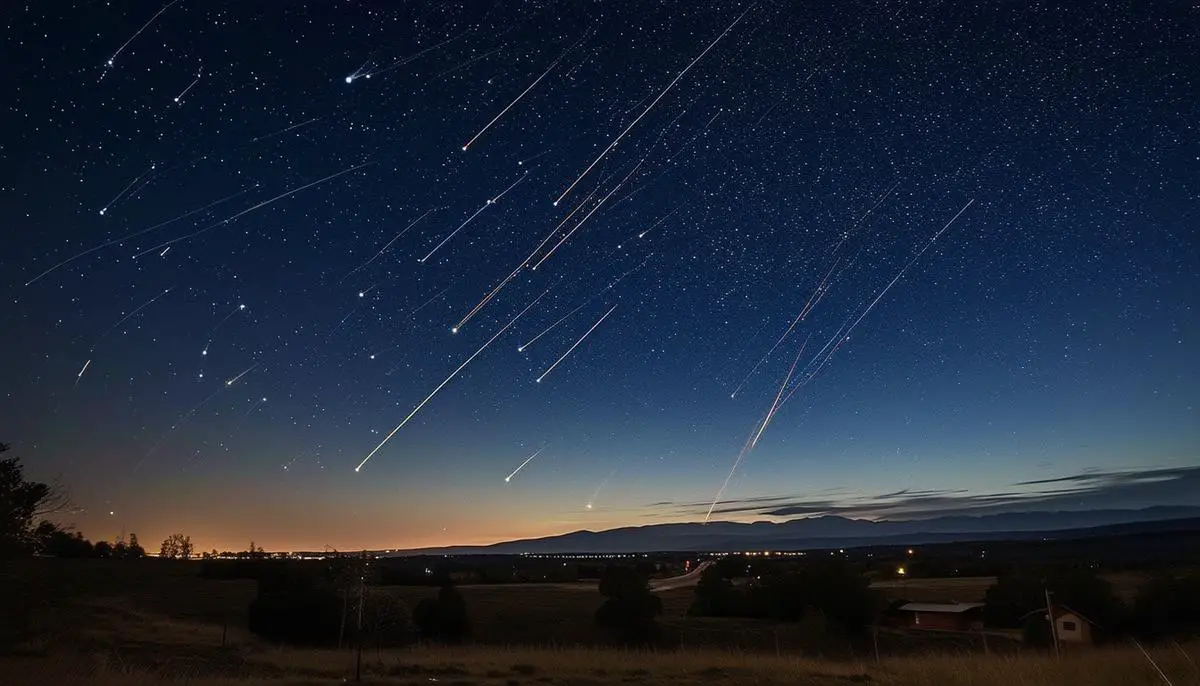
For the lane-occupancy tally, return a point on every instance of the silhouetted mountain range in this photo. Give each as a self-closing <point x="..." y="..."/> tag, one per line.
<point x="835" y="532"/>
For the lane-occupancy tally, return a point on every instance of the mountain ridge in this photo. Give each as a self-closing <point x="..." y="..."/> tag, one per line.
<point x="826" y="531"/>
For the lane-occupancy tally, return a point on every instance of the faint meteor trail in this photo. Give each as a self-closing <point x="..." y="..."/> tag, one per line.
<point x="564" y="318"/>
<point x="137" y="33"/>
<point x="522" y="465"/>
<point x="248" y="210"/>
<point x="486" y="299"/>
<point x="596" y="493"/>
<point x="446" y="381"/>
<point x="124" y="319"/>
<point x="821" y="290"/>
<point x="212" y="331"/>
<point x="649" y="107"/>
<point x="362" y="73"/>
<point x="846" y="336"/>
<point x="178" y="422"/>
<point x="587" y="216"/>
<point x="389" y="243"/>
<point x="564" y="355"/>
<point x="514" y="102"/>
<point x="660" y="221"/>
<point x="122" y="239"/>
<point x="189" y="87"/>
<point x="246" y="371"/>
<point x="782" y="387"/>
<point x="284" y="130"/>
<point x="125" y="190"/>
<point x="521" y="163"/>
<point x="484" y="206"/>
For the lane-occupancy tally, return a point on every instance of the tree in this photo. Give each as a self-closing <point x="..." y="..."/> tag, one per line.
<point x="134" y="551"/>
<point x="103" y="549"/>
<point x="54" y="541"/>
<point x="715" y="595"/>
<point x="22" y="503"/>
<point x="631" y="608"/>
<point x="176" y="546"/>
<point x="443" y="618"/>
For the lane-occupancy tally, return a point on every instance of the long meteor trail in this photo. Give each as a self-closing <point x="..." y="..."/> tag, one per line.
<point x="850" y="329"/>
<point x="522" y="466"/>
<point x="649" y="107"/>
<point x="581" y="338"/>
<point x="248" y="210"/>
<point x="135" y="234"/>
<point x="484" y="206"/>
<point x="113" y="57"/>
<point x="443" y="383"/>
<point x="389" y="243"/>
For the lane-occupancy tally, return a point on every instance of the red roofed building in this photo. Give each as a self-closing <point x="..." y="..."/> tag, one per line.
<point x="942" y="616"/>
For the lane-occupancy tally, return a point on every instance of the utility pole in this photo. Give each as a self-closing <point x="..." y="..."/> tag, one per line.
<point x="362" y="574"/>
<point x="1053" y="624"/>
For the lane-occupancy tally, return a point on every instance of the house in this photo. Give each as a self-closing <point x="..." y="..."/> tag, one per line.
<point x="1071" y="627"/>
<point x="942" y="616"/>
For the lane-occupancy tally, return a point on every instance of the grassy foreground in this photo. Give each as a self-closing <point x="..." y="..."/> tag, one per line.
<point x="512" y="667"/>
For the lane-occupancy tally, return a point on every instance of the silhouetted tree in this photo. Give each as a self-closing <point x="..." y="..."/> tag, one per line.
<point x="103" y="549"/>
<point x="630" y="609"/>
<point x="22" y="503"/>
<point x="1168" y="606"/>
<point x="55" y="541"/>
<point x="134" y="551"/>
<point x="1011" y="600"/>
<point x="715" y="595"/>
<point x="176" y="546"/>
<point x="444" y="618"/>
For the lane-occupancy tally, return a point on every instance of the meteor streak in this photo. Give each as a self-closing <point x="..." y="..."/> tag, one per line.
<point x="846" y="336"/>
<point x="389" y="243"/>
<point x="564" y="355"/>
<point x="125" y="190"/>
<point x="522" y="466"/>
<point x="109" y="62"/>
<point x="248" y="210"/>
<point x="124" y="319"/>
<point x="189" y="87"/>
<point x="587" y="216"/>
<point x="489" y="203"/>
<point x="446" y="381"/>
<point x="249" y="369"/>
<point x="655" y="224"/>
<point x="122" y="239"/>
<point x="81" y="371"/>
<point x="549" y="328"/>
<point x="284" y="130"/>
<point x="510" y="105"/>
<point x="649" y="107"/>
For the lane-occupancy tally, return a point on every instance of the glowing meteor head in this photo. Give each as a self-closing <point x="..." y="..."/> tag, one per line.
<point x="204" y="352"/>
<point x="454" y="329"/>
<point x="358" y="469"/>
<point x="507" y="479"/>
<point x="176" y="99"/>
<point x="642" y="234"/>
<point x="464" y="148"/>
<point x="361" y="294"/>
<point x="589" y="506"/>
<point x="103" y="210"/>
<point x="109" y="63"/>
<point x="229" y="382"/>
<point x="241" y="307"/>
<point x="350" y="79"/>
<point x="520" y="348"/>
<point x="372" y="357"/>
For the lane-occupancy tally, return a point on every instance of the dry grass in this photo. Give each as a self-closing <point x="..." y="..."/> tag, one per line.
<point x="504" y="667"/>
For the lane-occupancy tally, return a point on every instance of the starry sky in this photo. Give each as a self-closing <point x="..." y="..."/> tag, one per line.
<point x="876" y="258"/>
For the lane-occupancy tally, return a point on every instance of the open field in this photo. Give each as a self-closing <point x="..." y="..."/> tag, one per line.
<point x="111" y="623"/>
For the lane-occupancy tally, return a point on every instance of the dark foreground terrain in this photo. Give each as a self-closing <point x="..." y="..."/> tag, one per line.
<point x="122" y="622"/>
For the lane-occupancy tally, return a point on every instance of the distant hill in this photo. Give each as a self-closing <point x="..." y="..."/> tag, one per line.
<point x="836" y="532"/>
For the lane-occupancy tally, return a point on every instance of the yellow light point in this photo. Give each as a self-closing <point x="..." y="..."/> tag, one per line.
<point x="901" y="571"/>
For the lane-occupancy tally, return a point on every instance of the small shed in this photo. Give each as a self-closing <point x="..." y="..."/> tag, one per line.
<point x="1070" y="627"/>
<point x="942" y="616"/>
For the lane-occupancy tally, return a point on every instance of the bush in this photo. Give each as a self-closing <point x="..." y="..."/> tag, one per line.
<point x="443" y="619"/>
<point x="309" y="617"/>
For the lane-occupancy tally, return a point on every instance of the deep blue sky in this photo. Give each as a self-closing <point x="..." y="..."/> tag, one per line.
<point x="1049" y="333"/>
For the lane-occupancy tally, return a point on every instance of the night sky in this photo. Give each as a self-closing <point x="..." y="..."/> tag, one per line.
<point x="238" y="237"/>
